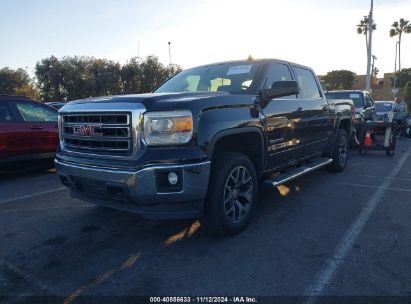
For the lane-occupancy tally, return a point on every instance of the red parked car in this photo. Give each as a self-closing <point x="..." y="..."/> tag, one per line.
<point x="28" y="129"/>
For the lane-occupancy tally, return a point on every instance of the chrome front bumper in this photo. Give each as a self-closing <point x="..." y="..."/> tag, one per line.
<point x="141" y="191"/>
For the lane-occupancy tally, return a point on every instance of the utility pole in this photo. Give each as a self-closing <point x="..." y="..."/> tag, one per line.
<point x="169" y="51"/>
<point x="396" y="52"/>
<point x="370" y="23"/>
<point x="395" y="66"/>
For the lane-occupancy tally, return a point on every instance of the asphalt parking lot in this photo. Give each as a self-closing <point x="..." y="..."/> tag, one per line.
<point x="325" y="234"/>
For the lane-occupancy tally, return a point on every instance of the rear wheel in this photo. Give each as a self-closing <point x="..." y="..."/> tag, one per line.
<point x="340" y="155"/>
<point x="232" y="194"/>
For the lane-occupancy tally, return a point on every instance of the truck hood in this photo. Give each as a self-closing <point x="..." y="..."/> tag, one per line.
<point x="152" y="101"/>
<point x="340" y="101"/>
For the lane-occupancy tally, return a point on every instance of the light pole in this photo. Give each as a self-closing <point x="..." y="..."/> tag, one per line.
<point x="395" y="69"/>
<point x="397" y="44"/>
<point x="169" y="51"/>
<point x="370" y="23"/>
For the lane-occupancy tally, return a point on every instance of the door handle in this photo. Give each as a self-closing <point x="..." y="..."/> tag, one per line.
<point x="36" y="128"/>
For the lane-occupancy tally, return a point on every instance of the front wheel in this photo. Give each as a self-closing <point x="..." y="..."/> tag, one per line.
<point x="340" y="155"/>
<point x="232" y="194"/>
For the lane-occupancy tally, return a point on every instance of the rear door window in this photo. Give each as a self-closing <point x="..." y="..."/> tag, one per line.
<point x="36" y="113"/>
<point x="5" y="113"/>
<point x="308" y="85"/>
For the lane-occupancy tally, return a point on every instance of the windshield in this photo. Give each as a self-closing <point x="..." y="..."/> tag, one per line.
<point x="383" y="106"/>
<point x="235" y="78"/>
<point x="357" y="98"/>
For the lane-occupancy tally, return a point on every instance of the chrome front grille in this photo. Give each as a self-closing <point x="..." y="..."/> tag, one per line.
<point x="100" y="133"/>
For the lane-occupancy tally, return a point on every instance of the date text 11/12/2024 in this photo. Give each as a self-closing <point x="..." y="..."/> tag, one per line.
<point x="203" y="300"/>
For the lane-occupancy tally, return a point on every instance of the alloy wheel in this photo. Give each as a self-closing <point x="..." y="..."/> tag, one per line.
<point x="238" y="194"/>
<point x="343" y="149"/>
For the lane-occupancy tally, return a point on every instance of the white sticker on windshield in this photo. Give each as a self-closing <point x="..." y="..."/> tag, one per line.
<point x="239" y="69"/>
<point x="387" y="104"/>
<point x="354" y="95"/>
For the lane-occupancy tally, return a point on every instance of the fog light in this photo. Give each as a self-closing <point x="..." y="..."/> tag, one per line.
<point x="172" y="178"/>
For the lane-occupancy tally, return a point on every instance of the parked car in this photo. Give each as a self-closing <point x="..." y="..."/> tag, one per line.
<point x="364" y="108"/>
<point x="56" y="104"/>
<point x="28" y="130"/>
<point x="363" y="102"/>
<point x="384" y="110"/>
<point x="200" y="145"/>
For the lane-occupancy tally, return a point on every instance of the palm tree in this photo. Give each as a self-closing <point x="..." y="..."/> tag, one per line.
<point x="398" y="28"/>
<point x="362" y="28"/>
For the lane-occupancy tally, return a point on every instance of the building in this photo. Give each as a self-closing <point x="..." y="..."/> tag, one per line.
<point x="381" y="87"/>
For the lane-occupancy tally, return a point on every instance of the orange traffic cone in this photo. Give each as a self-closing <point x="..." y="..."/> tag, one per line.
<point x="368" y="141"/>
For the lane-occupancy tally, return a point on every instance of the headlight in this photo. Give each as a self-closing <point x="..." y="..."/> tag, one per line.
<point x="60" y="129"/>
<point x="168" y="128"/>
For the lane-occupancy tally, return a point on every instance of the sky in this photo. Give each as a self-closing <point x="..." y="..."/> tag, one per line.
<point x="320" y="34"/>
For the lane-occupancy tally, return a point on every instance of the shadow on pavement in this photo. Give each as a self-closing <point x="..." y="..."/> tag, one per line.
<point x="26" y="169"/>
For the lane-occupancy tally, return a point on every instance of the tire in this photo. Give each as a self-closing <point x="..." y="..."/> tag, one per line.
<point x="232" y="194"/>
<point x="340" y="154"/>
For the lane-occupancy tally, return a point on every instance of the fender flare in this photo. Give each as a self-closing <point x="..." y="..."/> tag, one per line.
<point x="340" y="119"/>
<point x="236" y="131"/>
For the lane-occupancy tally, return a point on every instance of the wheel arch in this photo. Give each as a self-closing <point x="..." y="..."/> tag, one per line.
<point x="346" y="124"/>
<point x="247" y="140"/>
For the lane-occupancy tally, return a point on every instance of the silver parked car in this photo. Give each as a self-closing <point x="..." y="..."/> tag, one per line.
<point x="384" y="109"/>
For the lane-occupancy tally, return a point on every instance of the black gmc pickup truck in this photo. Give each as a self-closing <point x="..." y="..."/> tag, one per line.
<point x="204" y="142"/>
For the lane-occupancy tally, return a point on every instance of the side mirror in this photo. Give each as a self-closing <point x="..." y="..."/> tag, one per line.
<point x="280" y="89"/>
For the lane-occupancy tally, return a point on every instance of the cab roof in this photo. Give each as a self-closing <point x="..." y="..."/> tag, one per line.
<point x="246" y="61"/>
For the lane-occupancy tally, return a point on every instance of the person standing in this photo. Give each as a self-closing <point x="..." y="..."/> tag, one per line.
<point x="400" y="112"/>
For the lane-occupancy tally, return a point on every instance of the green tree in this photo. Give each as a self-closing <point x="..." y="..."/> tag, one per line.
<point x="131" y="76"/>
<point x="104" y="77"/>
<point x="341" y="79"/>
<point x="407" y="95"/>
<point x="171" y="70"/>
<point x="28" y="90"/>
<point x="398" y="28"/>
<point x="403" y="77"/>
<point x="17" y="82"/>
<point x="75" y="77"/>
<point x="362" y="28"/>
<point x="79" y="77"/>
<point x="49" y="76"/>
<point x="154" y="73"/>
<point x="375" y="71"/>
<point x="10" y="80"/>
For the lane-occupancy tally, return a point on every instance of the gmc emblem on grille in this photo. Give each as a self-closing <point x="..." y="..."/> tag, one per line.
<point x="87" y="130"/>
